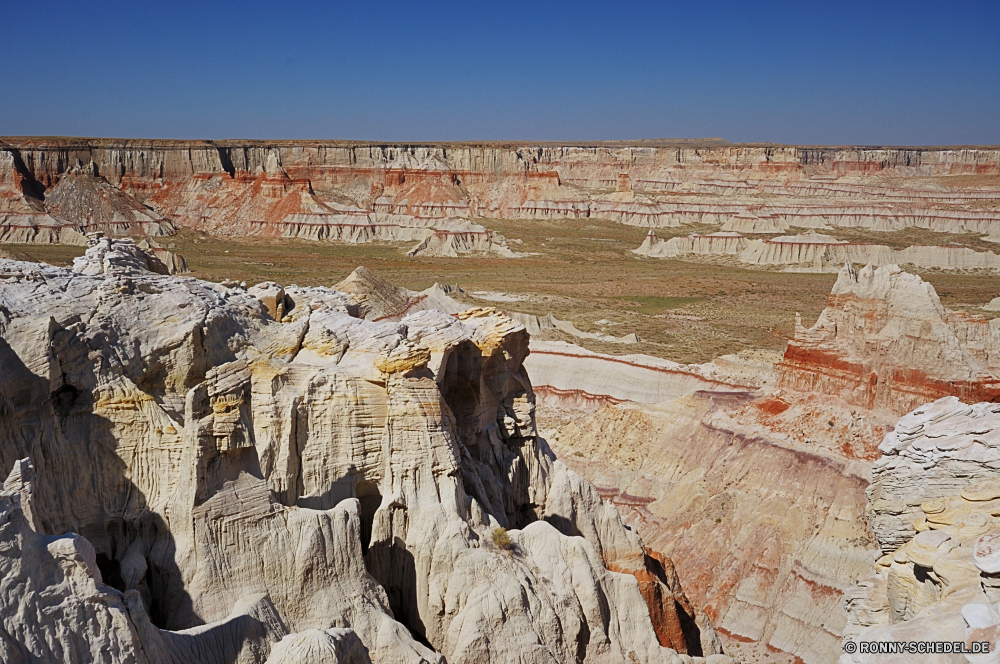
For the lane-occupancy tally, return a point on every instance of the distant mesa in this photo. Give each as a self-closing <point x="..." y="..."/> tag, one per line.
<point x="722" y="243"/>
<point x="57" y="190"/>
<point x="814" y="252"/>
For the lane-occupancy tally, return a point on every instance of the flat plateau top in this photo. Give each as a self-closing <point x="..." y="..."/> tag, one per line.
<point x="70" y="142"/>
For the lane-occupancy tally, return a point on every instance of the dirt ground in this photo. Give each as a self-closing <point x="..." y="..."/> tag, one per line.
<point x="580" y="270"/>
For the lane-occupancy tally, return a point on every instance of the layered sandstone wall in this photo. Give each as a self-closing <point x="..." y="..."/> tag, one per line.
<point x="47" y="159"/>
<point x="886" y="342"/>
<point x="327" y="189"/>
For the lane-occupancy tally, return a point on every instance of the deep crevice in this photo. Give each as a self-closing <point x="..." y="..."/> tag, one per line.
<point x="226" y="160"/>
<point x="110" y="572"/>
<point x="369" y="498"/>
<point x="64" y="399"/>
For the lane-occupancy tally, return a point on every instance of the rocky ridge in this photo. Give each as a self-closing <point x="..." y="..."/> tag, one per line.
<point x="361" y="192"/>
<point x="321" y="486"/>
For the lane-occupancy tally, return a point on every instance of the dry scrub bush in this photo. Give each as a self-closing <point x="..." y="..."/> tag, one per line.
<point x="501" y="539"/>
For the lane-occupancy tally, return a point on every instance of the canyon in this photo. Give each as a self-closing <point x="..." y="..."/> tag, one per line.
<point x="751" y="471"/>
<point x="59" y="189"/>
<point x="584" y="455"/>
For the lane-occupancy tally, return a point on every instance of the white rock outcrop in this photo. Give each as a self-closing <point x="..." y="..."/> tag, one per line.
<point x="373" y="488"/>
<point x="933" y="505"/>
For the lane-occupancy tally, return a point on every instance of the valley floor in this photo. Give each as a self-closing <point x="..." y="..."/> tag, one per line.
<point x="582" y="271"/>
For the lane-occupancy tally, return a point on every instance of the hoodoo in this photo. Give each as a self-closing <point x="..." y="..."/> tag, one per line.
<point x="886" y="342"/>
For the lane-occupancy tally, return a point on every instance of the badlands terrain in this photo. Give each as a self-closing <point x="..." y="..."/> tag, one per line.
<point x="608" y="402"/>
<point x="573" y="215"/>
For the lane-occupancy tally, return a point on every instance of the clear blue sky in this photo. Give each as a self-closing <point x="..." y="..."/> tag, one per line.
<point x="830" y="72"/>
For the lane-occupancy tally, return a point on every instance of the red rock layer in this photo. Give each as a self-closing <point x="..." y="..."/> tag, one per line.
<point x="671" y="611"/>
<point x="884" y="342"/>
<point x="330" y="189"/>
<point x="899" y="389"/>
<point x="553" y="397"/>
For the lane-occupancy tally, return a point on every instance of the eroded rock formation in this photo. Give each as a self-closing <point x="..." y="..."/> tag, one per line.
<point x="753" y="481"/>
<point x="932" y="504"/>
<point x="813" y="252"/>
<point x="461" y="237"/>
<point x="361" y="192"/>
<point x="239" y="487"/>
<point x="886" y="342"/>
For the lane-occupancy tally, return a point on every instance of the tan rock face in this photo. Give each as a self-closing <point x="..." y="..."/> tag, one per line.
<point x="336" y="479"/>
<point x="567" y="375"/>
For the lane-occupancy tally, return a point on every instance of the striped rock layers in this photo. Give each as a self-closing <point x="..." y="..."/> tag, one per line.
<point x="886" y="342"/>
<point x="359" y="192"/>
<point x="813" y="252"/>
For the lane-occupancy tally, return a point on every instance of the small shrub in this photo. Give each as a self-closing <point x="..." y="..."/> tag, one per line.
<point x="501" y="539"/>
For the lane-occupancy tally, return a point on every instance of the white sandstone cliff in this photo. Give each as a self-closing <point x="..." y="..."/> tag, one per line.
<point x="325" y="474"/>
